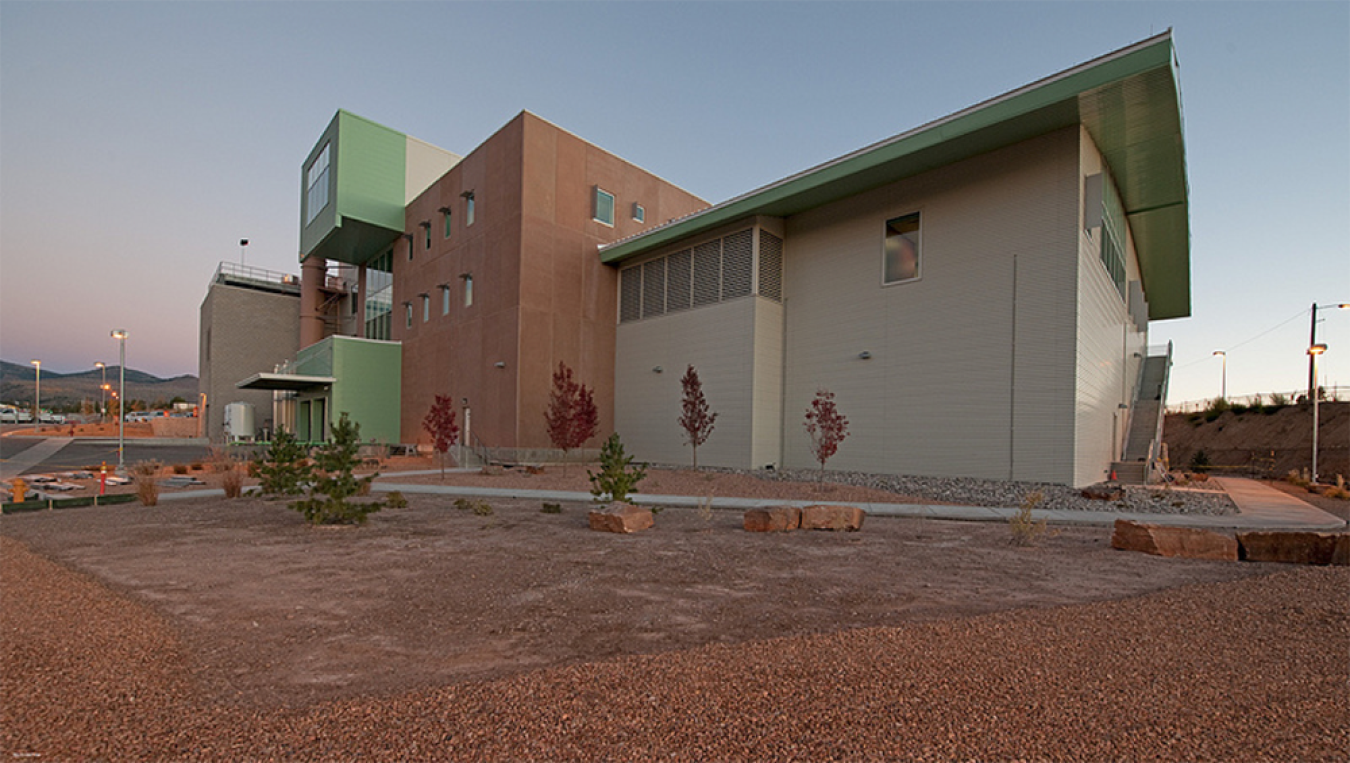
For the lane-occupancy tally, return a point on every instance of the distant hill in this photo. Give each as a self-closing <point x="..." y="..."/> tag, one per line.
<point x="64" y="390"/>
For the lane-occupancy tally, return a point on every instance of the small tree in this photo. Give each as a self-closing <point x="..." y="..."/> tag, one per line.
<point x="617" y="477"/>
<point x="440" y="423"/>
<point x="826" y="427"/>
<point x="696" y="418"/>
<point x="572" y="417"/>
<point x="283" y="469"/>
<point x="334" y="483"/>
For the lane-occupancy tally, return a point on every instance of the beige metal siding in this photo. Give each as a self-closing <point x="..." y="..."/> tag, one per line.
<point x="767" y="397"/>
<point x="718" y="340"/>
<point x="942" y="393"/>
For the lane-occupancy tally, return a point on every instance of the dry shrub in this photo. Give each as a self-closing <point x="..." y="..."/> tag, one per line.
<point x="1025" y="530"/>
<point x="180" y="469"/>
<point x="1338" y="492"/>
<point x="233" y="483"/>
<point x="144" y="474"/>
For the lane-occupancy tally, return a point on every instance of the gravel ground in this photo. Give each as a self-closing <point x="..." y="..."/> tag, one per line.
<point x="1248" y="670"/>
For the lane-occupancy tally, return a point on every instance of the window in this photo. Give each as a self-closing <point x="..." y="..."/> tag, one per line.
<point x="445" y="299"/>
<point x="901" y="259"/>
<point x="604" y="206"/>
<point x="447" y="219"/>
<point x="426" y="307"/>
<point x="426" y="234"/>
<point x="379" y="295"/>
<point x="409" y="237"/>
<point x="407" y="315"/>
<point x="316" y="185"/>
<point x="468" y="289"/>
<point x="639" y="213"/>
<point x="468" y="208"/>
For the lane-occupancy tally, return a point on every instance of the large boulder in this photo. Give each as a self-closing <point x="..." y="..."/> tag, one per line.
<point x="621" y="518"/>
<point x="832" y="518"/>
<point x="1295" y="547"/>
<point x="773" y="519"/>
<point x="1186" y="542"/>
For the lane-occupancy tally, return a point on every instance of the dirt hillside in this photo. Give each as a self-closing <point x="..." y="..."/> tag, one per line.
<point x="1266" y="442"/>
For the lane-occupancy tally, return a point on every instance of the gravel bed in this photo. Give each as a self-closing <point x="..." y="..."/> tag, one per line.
<point x="1007" y="494"/>
<point x="1249" y="670"/>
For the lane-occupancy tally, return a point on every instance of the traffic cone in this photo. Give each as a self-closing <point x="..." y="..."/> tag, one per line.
<point x="1113" y="474"/>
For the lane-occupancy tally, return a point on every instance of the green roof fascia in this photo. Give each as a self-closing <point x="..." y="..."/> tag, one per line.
<point x="365" y="210"/>
<point x="1151" y="172"/>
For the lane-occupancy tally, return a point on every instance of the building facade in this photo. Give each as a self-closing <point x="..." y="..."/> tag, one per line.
<point x="975" y="292"/>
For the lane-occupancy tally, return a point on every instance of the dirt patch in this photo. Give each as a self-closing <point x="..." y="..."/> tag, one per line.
<point x="1263" y="444"/>
<point x="274" y="612"/>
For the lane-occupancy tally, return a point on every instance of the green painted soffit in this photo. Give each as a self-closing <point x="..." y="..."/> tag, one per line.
<point x="1129" y="101"/>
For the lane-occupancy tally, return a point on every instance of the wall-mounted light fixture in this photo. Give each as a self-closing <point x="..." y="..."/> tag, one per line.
<point x="658" y="370"/>
<point x="500" y="364"/>
<point x="864" y="355"/>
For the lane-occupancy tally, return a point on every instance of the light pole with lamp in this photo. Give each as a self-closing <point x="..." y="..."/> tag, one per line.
<point x="1312" y="342"/>
<point x="37" y="396"/>
<point x="103" y="391"/>
<point x="1223" y="395"/>
<point x="1313" y="353"/>
<point x="121" y="336"/>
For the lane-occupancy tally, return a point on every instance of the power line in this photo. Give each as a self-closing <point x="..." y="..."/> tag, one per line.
<point x="1279" y="325"/>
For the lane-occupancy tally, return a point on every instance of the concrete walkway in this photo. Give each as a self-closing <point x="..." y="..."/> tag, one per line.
<point x="27" y="459"/>
<point x="1259" y="507"/>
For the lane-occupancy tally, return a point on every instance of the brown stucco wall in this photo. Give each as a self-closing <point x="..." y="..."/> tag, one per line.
<point x="541" y="294"/>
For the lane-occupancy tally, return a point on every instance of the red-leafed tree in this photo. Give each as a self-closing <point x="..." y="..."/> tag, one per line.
<point x="571" y="417"/>
<point x="440" y="424"/>
<point x="696" y="419"/>
<point x="826" y="427"/>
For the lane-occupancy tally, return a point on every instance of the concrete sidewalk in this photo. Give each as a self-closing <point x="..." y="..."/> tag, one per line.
<point x="27" y="459"/>
<point x="1259" y="507"/>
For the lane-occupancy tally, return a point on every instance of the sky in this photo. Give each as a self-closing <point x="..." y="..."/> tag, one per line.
<point x="139" y="142"/>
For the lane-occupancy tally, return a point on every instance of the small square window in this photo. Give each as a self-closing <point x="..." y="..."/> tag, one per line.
<point x="639" y="213"/>
<point x="900" y="261"/>
<point x="604" y="206"/>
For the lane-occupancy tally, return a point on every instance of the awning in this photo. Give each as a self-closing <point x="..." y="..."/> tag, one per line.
<point x="287" y="382"/>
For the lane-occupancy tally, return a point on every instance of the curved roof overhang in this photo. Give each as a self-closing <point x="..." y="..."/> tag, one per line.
<point x="1129" y="102"/>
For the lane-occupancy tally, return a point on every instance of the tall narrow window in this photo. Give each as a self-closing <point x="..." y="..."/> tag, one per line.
<point x="409" y="238"/>
<point x="604" y="206"/>
<point x="468" y="208"/>
<point x="447" y="220"/>
<point x="426" y="234"/>
<point x="426" y="307"/>
<point x="901" y="258"/>
<point x="445" y="299"/>
<point x="468" y="289"/>
<point x="316" y="185"/>
<point x="407" y="315"/>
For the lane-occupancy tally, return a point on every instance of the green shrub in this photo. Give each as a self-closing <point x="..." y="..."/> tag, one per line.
<point x="617" y="477"/>
<point x="334" y="484"/>
<point x="283" y="469"/>
<point x="395" y="500"/>
<point x="1200" y="461"/>
<point x="482" y="509"/>
<point x="551" y="508"/>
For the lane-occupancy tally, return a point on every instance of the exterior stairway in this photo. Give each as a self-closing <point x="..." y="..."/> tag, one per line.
<point x="1144" y="444"/>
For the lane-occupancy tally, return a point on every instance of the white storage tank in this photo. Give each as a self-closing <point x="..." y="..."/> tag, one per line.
<point x="239" y="422"/>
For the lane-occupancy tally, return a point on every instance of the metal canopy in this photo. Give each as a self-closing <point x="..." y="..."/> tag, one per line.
<point x="1128" y="101"/>
<point x="286" y="382"/>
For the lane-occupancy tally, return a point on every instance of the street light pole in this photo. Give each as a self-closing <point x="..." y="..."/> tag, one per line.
<point x="102" y="391"/>
<point x="1224" y="393"/>
<point x="1312" y="342"/>
<point x="1313" y="352"/>
<point x="37" y="396"/>
<point x="121" y="336"/>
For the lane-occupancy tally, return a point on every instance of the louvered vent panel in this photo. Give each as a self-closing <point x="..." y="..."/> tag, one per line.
<point x="654" y="288"/>
<point x="738" y="259"/>
<point x="679" y="280"/>
<point x="770" y="266"/>
<point x="707" y="273"/>
<point x="630" y="294"/>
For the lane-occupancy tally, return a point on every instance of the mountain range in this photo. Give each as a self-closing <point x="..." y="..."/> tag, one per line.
<point x="64" y="390"/>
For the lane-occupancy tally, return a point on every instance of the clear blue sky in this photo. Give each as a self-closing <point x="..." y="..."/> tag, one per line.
<point x="140" y="141"/>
